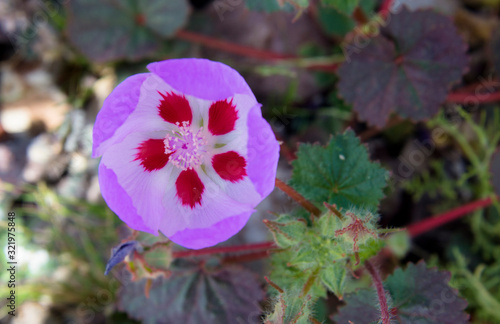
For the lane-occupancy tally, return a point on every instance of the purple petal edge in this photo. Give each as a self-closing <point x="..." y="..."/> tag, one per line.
<point x="263" y="153"/>
<point x="119" y="201"/>
<point x="199" y="238"/>
<point x="115" y="110"/>
<point x="201" y="78"/>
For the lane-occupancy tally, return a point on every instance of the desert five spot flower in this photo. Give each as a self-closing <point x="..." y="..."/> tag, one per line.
<point x="185" y="150"/>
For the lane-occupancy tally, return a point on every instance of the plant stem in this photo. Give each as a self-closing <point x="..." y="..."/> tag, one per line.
<point x="385" y="7"/>
<point x="246" y="257"/>
<point x="460" y="97"/>
<point x="231" y="47"/>
<point x="377" y="281"/>
<point x="446" y="217"/>
<point x="225" y="249"/>
<point x="298" y="198"/>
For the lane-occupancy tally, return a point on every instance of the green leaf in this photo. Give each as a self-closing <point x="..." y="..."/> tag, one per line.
<point x="340" y="173"/>
<point x="194" y="293"/>
<point x="334" y="278"/>
<point x="495" y="172"/>
<point x="263" y="5"/>
<point x="407" y="68"/>
<point x="106" y="30"/>
<point x="334" y="22"/>
<point x="287" y="232"/>
<point x="418" y="295"/>
<point x="344" y="6"/>
<point x="289" y="308"/>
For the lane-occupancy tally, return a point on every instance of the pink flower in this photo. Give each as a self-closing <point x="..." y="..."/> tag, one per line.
<point x="185" y="150"/>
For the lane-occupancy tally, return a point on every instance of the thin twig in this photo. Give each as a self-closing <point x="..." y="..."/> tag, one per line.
<point x="377" y="281"/>
<point x="224" y="249"/>
<point x="446" y="217"/>
<point x="298" y="198"/>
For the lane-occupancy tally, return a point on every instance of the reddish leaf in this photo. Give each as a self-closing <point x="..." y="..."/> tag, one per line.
<point x="407" y="69"/>
<point x="418" y="295"/>
<point x="195" y="294"/>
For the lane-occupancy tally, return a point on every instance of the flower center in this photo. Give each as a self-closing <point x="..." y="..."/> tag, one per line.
<point x="185" y="146"/>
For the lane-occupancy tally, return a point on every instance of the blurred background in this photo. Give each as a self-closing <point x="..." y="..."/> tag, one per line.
<point x="59" y="59"/>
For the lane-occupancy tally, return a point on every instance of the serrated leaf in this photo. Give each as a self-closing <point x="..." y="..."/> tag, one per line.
<point x="286" y="232"/>
<point x="344" y="6"/>
<point x="119" y="253"/>
<point x="495" y="172"/>
<point x="418" y="295"/>
<point x="195" y="294"/>
<point x="290" y="309"/>
<point x="334" y="278"/>
<point x="106" y="30"/>
<point x="334" y="22"/>
<point x="340" y="173"/>
<point x="406" y="69"/>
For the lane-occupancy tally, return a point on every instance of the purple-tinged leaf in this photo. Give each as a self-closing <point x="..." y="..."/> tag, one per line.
<point x="195" y="294"/>
<point x="418" y="295"/>
<point x="119" y="253"/>
<point x="406" y="69"/>
<point x="106" y="30"/>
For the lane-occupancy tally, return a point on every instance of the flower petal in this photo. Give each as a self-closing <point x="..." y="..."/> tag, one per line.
<point x="222" y="116"/>
<point x="230" y="166"/>
<point x="201" y="78"/>
<point x="199" y="238"/>
<point x="143" y="115"/>
<point x="175" y="109"/>
<point x="152" y="155"/>
<point x="189" y="188"/>
<point x="263" y="152"/>
<point x="115" y="110"/>
<point x="119" y="201"/>
<point x="146" y="189"/>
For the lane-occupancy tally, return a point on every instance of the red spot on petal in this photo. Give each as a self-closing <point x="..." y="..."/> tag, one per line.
<point x="174" y="108"/>
<point x="222" y="116"/>
<point x="152" y="155"/>
<point x="230" y="166"/>
<point x="189" y="188"/>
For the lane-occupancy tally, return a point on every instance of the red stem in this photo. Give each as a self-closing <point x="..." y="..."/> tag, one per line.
<point x="385" y="7"/>
<point x="231" y="47"/>
<point x="247" y="257"/>
<point x="298" y="198"/>
<point x="446" y="217"/>
<point x="472" y="98"/>
<point x="382" y="299"/>
<point x="224" y="249"/>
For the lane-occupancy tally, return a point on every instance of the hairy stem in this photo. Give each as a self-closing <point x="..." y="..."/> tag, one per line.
<point x="225" y="249"/>
<point x="382" y="299"/>
<point x="446" y="217"/>
<point x="298" y="197"/>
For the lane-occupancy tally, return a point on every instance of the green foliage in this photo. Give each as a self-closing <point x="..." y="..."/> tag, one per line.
<point x="288" y="309"/>
<point x="340" y="173"/>
<point x="407" y="68"/>
<point x="196" y="292"/>
<point x="321" y="253"/>
<point x="267" y="5"/>
<point x="417" y="295"/>
<point x="344" y="6"/>
<point x="495" y="172"/>
<point x="433" y="182"/>
<point x="111" y="30"/>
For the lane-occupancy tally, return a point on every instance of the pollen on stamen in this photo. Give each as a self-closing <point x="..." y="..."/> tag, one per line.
<point x="186" y="146"/>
